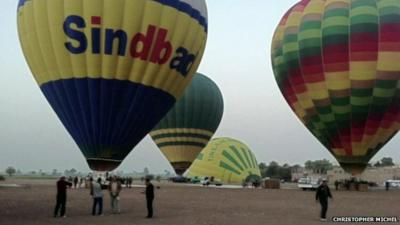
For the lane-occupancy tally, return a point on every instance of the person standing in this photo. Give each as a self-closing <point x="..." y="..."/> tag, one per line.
<point x="80" y="182"/>
<point x="387" y="185"/>
<point x="97" y="194"/>
<point x="130" y="182"/>
<point x="149" y="197"/>
<point x="75" y="182"/>
<point x="62" y="186"/>
<point x="322" y="195"/>
<point x="336" y="185"/>
<point x="115" y="188"/>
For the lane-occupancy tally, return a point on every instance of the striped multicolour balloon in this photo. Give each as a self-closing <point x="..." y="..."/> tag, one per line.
<point x="337" y="63"/>
<point x="111" y="69"/>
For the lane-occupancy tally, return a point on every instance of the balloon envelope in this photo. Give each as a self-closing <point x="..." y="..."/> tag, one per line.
<point x="226" y="159"/>
<point x="187" y="128"/>
<point x="336" y="63"/>
<point x="111" y="69"/>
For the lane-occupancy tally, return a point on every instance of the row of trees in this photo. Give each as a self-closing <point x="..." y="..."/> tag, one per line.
<point x="384" y="162"/>
<point x="318" y="166"/>
<point x="284" y="172"/>
<point x="11" y="171"/>
<point x="274" y="170"/>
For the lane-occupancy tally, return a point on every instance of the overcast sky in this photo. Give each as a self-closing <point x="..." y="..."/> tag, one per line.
<point x="237" y="59"/>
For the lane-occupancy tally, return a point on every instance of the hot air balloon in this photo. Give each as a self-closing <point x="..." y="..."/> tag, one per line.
<point x="337" y="64"/>
<point x="227" y="160"/>
<point x="187" y="128"/>
<point x="112" y="69"/>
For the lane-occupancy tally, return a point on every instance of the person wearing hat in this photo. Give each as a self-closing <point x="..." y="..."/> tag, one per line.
<point x="322" y="195"/>
<point x="62" y="186"/>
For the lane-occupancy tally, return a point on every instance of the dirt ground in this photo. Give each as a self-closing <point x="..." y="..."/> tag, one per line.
<point x="186" y="205"/>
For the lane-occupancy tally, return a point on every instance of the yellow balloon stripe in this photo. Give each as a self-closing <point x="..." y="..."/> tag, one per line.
<point x="181" y="139"/>
<point x="182" y="153"/>
<point x="181" y="130"/>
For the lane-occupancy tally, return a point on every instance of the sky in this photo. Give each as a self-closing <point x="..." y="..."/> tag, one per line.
<point x="237" y="58"/>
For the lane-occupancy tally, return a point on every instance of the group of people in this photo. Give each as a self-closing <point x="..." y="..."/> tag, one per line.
<point x="349" y="184"/>
<point x="78" y="181"/>
<point x="114" y="188"/>
<point x="127" y="181"/>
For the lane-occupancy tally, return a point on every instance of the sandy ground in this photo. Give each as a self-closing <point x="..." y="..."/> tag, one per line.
<point x="186" y="205"/>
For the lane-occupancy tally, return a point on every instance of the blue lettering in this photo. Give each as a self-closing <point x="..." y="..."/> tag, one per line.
<point x="122" y="37"/>
<point x="96" y="40"/>
<point x="76" y="35"/>
<point x="183" y="61"/>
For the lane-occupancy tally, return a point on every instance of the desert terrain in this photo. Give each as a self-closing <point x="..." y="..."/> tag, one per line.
<point x="32" y="204"/>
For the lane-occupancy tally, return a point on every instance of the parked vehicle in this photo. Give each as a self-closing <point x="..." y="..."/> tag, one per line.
<point x="195" y="180"/>
<point x="180" y="179"/>
<point x="393" y="183"/>
<point x="207" y="181"/>
<point x="308" y="183"/>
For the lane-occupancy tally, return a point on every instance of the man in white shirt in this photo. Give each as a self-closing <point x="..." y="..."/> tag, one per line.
<point x="97" y="194"/>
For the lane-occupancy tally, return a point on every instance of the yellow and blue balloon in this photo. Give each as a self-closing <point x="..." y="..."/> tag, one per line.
<point x="112" y="69"/>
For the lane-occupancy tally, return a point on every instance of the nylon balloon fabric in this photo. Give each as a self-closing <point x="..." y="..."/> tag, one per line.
<point x="187" y="128"/>
<point x="227" y="160"/>
<point x="337" y="64"/>
<point x="112" y="69"/>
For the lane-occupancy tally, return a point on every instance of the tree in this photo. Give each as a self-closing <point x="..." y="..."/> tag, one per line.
<point x="273" y="170"/>
<point x="263" y="169"/>
<point x="149" y="176"/>
<point x="285" y="173"/>
<point x="146" y="171"/>
<point x="262" y="166"/>
<point x="319" y="166"/>
<point x="167" y="173"/>
<point x="322" y="166"/>
<point x="286" y="165"/>
<point x="387" y="161"/>
<point x="54" y="173"/>
<point x="73" y="171"/>
<point x="309" y="165"/>
<point x="296" y="168"/>
<point x="10" y="171"/>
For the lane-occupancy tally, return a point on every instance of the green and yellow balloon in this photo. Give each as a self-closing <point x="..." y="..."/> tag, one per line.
<point x="337" y="65"/>
<point x="188" y="127"/>
<point x="228" y="160"/>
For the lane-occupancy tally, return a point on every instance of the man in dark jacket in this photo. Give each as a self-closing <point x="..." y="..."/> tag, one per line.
<point x="322" y="194"/>
<point x="149" y="197"/>
<point x="62" y="186"/>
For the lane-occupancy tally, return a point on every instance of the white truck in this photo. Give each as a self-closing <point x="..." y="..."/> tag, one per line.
<point x="393" y="183"/>
<point x="308" y="183"/>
